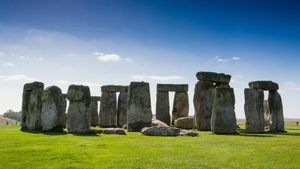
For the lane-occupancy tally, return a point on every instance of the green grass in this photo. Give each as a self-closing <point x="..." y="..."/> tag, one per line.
<point x="39" y="150"/>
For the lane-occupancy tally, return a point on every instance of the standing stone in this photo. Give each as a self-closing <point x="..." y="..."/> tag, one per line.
<point x="267" y="114"/>
<point x="254" y="110"/>
<point x="53" y="110"/>
<point x="79" y="109"/>
<point x="108" y="110"/>
<point x="32" y="106"/>
<point x="203" y="100"/>
<point x="94" y="111"/>
<point x="276" y="110"/>
<point x="163" y="107"/>
<point x="139" y="114"/>
<point x="122" y="109"/>
<point x="180" y="106"/>
<point x="223" y="120"/>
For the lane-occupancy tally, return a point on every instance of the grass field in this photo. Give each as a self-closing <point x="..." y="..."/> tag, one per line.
<point x="57" y="150"/>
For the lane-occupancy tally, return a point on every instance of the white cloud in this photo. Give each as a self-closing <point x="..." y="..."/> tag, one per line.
<point x="107" y="57"/>
<point x="8" y="64"/>
<point x="156" y="77"/>
<point x="236" y="58"/>
<point x="31" y="58"/>
<point x="66" y="82"/>
<point x="18" y="77"/>
<point x="128" y="60"/>
<point x="2" y="53"/>
<point x="220" y="59"/>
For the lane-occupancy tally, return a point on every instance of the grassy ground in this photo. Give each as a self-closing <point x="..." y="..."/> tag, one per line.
<point x="53" y="150"/>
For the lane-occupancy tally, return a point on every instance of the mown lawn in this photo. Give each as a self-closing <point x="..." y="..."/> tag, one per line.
<point x="53" y="150"/>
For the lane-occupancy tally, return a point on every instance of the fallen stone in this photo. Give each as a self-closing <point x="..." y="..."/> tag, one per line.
<point x="276" y="110"/>
<point x="114" y="88"/>
<point x="180" y="106"/>
<point x="163" y="107"/>
<point x="158" y="123"/>
<point x="108" y="110"/>
<point x="213" y="77"/>
<point x="172" y="87"/>
<point x="185" y="123"/>
<point x="118" y="131"/>
<point x="264" y="85"/>
<point x="139" y="114"/>
<point x="188" y="133"/>
<point x="160" y="131"/>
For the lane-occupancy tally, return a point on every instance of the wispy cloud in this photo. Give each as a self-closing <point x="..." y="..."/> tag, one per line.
<point x="156" y="77"/>
<point x="220" y="59"/>
<point x="18" y="77"/>
<point x="8" y="64"/>
<point x="31" y="58"/>
<point x="66" y="82"/>
<point x="236" y="58"/>
<point x="107" y="57"/>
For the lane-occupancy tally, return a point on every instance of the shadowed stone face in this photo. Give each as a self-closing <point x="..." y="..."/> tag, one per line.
<point x="254" y="110"/>
<point x="163" y="107"/>
<point x="94" y="111"/>
<point x="139" y="114"/>
<point x="53" y="110"/>
<point x="108" y="110"/>
<point x="79" y="109"/>
<point x="180" y="106"/>
<point x="203" y="100"/>
<point x="223" y="120"/>
<point x="32" y="106"/>
<point x="122" y="109"/>
<point x="276" y="110"/>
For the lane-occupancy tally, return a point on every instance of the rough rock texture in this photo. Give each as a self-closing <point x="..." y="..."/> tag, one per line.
<point x="158" y="123"/>
<point x="114" y="88"/>
<point x="264" y="85"/>
<point x="53" y="115"/>
<point x="276" y="110"/>
<point x="267" y="114"/>
<point x="108" y="110"/>
<point x="172" y="87"/>
<point x="185" y="123"/>
<point x="94" y="111"/>
<point x="163" y="107"/>
<point x="139" y="114"/>
<point x="213" y="77"/>
<point x="160" y="131"/>
<point x="118" y="131"/>
<point x="180" y="106"/>
<point x="32" y="106"/>
<point x="122" y="109"/>
<point x="79" y="109"/>
<point x="203" y="101"/>
<point x="254" y="110"/>
<point x="188" y="133"/>
<point x="223" y="120"/>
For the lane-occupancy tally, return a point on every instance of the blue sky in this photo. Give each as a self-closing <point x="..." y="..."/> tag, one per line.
<point x="116" y="42"/>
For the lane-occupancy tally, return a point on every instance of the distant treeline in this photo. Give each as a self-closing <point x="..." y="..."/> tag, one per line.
<point x="13" y="115"/>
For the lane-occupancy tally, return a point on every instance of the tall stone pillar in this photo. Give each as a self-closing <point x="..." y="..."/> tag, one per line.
<point x="254" y="110"/>
<point x="122" y="108"/>
<point x="139" y="114"/>
<point x="108" y="109"/>
<point x="180" y="106"/>
<point x="276" y="110"/>
<point x="32" y="106"/>
<point x="267" y="114"/>
<point x="163" y="107"/>
<point x="94" y="111"/>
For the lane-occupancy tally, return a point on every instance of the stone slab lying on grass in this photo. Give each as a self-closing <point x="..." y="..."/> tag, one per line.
<point x="188" y="133"/>
<point x="118" y="131"/>
<point x="158" y="123"/>
<point x="160" y="131"/>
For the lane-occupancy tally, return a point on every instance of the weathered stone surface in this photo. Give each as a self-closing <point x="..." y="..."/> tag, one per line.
<point x="264" y="85"/>
<point x="95" y="98"/>
<point x="213" y="77"/>
<point x="158" y="123"/>
<point x="32" y="106"/>
<point x="276" y="110"/>
<point x="122" y="109"/>
<point x="188" y="133"/>
<point x="94" y="111"/>
<point x="139" y="114"/>
<point x="79" y="109"/>
<point x="53" y="115"/>
<point x="172" y="87"/>
<point x="118" y="131"/>
<point x="223" y="120"/>
<point x="160" y="131"/>
<point x="203" y="101"/>
<point x="180" y="106"/>
<point x="267" y="114"/>
<point x="163" y="107"/>
<point x="108" y="110"/>
<point x="114" y="88"/>
<point x="185" y="123"/>
<point x="254" y="110"/>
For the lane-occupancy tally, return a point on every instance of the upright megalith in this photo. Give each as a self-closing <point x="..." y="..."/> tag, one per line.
<point x="79" y="109"/>
<point x="267" y="114"/>
<point x="139" y="114"/>
<point x="203" y="100"/>
<point x="53" y="115"/>
<point x="163" y="107"/>
<point x="276" y="110"/>
<point x="94" y="110"/>
<point x="254" y="110"/>
<point x="108" y="109"/>
<point x="32" y="106"/>
<point x="223" y="120"/>
<point x="122" y="108"/>
<point x="180" y="106"/>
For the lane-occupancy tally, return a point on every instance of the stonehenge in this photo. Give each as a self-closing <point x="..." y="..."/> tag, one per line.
<point x="180" y="104"/>
<point x="256" y="110"/>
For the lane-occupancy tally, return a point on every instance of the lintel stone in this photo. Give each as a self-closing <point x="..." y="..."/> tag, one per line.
<point x="264" y="85"/>
<point x="114" y="88"/>
<point x="172" y="87"/>
<point x="213" y="77"/>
